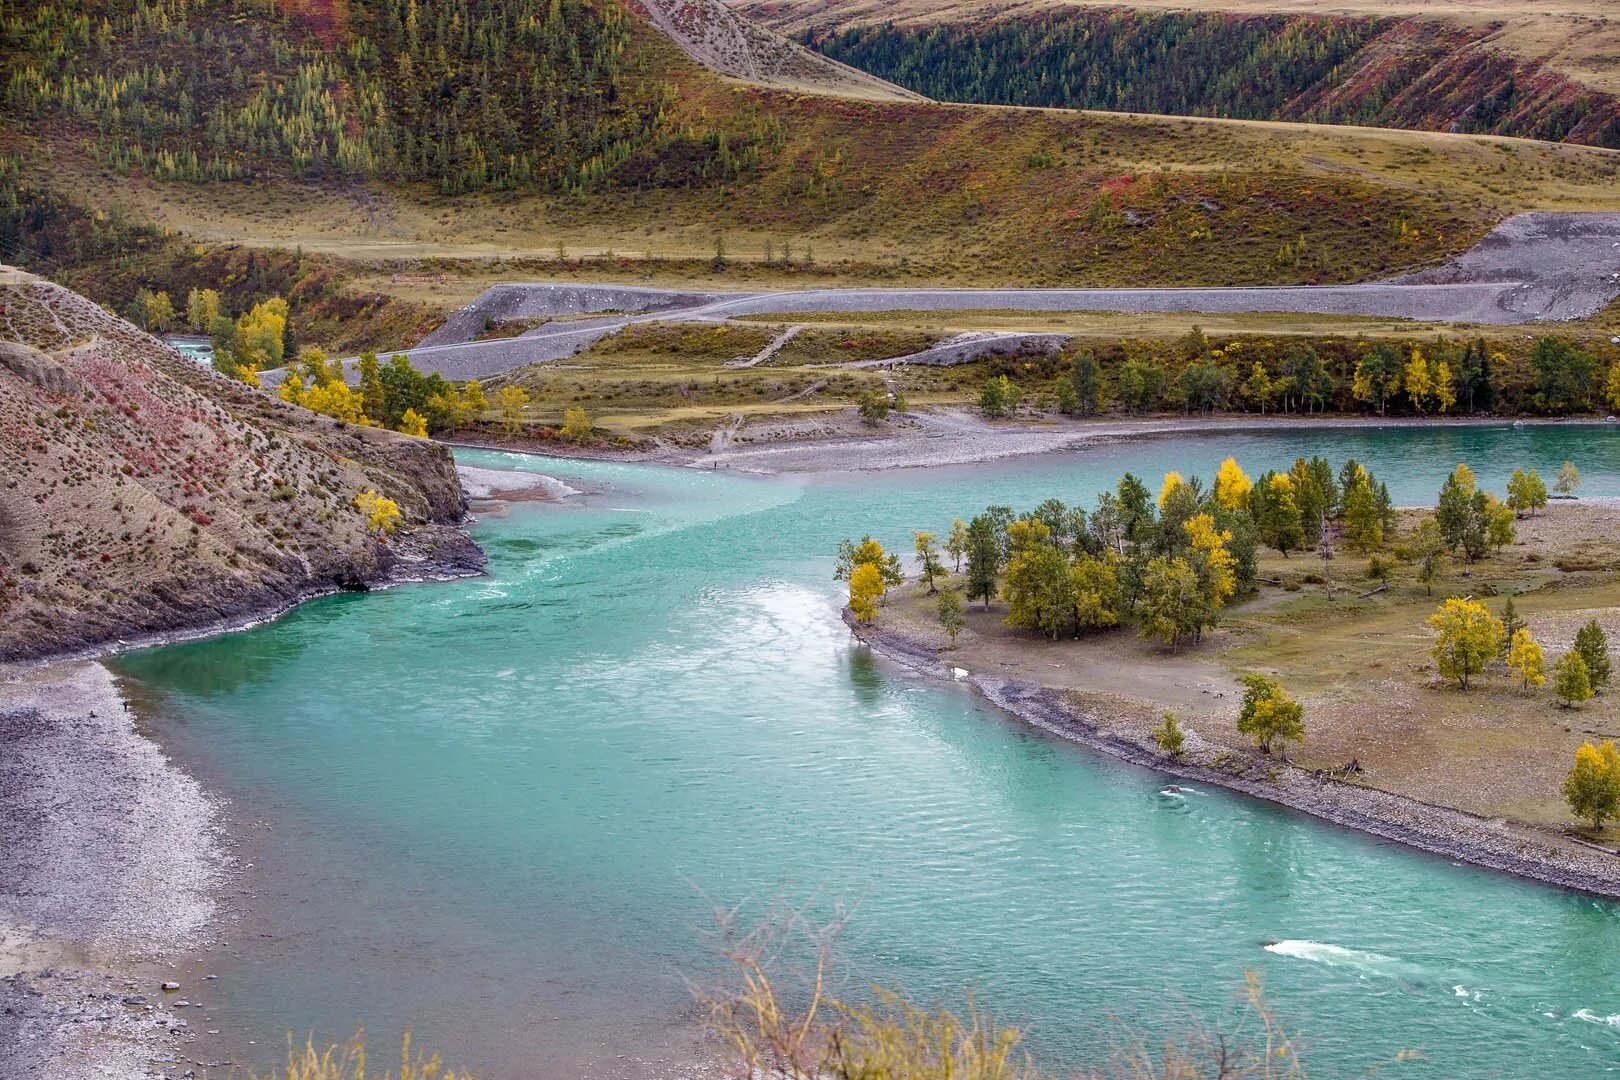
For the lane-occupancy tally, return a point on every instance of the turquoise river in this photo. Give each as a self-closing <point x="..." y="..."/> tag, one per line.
<point x="501" y="812"/>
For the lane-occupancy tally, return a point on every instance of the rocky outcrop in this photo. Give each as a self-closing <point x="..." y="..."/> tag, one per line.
<point x="142" y="495"/>
<point x="728" y="43"/>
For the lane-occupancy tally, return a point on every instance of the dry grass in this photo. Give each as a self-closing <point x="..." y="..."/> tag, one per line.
<point x="778" y="1012"/>
<point x="348" y="1062"/>
<point x="1361" y="665"/>
<point x="673" y="379"/>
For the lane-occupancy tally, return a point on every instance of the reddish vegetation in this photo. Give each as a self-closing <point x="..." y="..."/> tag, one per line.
<point x="327" y="21"/>
<point x="1427" y="75"/>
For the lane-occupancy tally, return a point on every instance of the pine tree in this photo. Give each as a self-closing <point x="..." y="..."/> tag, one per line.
<point x="951" y="616"/>
<point x="1593" y="646"/>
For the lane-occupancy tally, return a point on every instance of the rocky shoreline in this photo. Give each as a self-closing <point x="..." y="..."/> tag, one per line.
<point x="1493" y="843"/>
<point x="112" y="857"/>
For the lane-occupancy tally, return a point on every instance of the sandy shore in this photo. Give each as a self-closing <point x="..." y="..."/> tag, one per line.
<point x="1497" y="844"/>
<point x="110" y="859"/>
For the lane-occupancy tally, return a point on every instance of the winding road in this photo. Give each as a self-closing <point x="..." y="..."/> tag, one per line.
<point x="1532" y="268"/>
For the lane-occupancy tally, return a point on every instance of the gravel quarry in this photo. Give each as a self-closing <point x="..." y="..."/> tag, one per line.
<point x="1532" y="268"/>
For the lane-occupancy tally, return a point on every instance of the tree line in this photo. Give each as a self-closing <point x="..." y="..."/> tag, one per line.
<point x="1329" y="69"/>
<point x="1201" y="64"/>
<point x="1549" y="375"/>
<point x="1168" y="563"/>
<point x="1171" y="564"/>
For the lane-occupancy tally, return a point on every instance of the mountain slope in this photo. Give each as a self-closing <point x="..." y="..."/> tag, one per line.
<point x="141" y="494"/>
<point x="1546" y="70"/>
<point x="443" y="137"/>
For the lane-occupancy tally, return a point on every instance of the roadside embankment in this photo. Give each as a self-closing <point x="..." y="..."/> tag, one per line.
<point x="1494" y="843"/>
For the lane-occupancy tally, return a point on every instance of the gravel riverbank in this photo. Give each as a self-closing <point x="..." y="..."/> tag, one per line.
<point x="1541" y="854"/>
<point x="110" y="859"/>
<point x="953" y="436"/>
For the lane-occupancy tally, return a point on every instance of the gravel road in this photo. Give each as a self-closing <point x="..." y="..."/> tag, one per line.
<point x="1531" y="268"/>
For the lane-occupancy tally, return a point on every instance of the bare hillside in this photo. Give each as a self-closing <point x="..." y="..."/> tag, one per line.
<point x="728" y="43"/>
<point x="141" y="494"/>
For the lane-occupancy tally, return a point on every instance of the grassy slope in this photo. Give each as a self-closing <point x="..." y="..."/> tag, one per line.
<point x="940" y="193"/>
<point x="1427" y="74"/>
<point x="1574" y="38"/>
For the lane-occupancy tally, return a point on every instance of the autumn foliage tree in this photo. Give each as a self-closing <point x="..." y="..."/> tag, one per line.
<point x="1268" y="715"/>
<point x="1467" y="637"/>
<point x="866" y="588"/>
<point x="1232" y="485"/>
<point x="1592" y="787"/>
<point x="1525" y="660"/>
<point x="382" y="513"/>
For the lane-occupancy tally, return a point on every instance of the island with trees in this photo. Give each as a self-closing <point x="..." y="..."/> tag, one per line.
<point x="1437" y="675"/>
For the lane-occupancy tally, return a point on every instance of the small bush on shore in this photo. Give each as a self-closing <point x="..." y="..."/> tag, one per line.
<point x="1169" y="736"/>
<point x="348" y="1062"/>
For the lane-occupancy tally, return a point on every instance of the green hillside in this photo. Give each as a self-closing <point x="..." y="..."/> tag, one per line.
<point x="376" y="141"/>
<point x="1381" y="71"/>
<point x="465" y="95"/>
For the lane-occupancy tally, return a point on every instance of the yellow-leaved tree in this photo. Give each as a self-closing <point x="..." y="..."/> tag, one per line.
<point x="413" y="423"/>
<point x="473" y="400"/>
<point x="382" y="513"/>
<point x="1172" y="480"/>
<point x="576" y="425"/>
<point x="510" y="400"/>
<point x="866" y="588"/>
<point x="1525" y="659"/>
<point x="203" y="306"/>
<point x="1232" y="485"/>
<point x="1467" y="636"/>
<point x="1268" y="715"/>
<point x="327" y="393"/>
<point x="261" y="335"/>
<point x="1417" y="380"/>
<point x="1444" y="390"/>
<point x="1592" y="787"/>
<point x="1216" y="566"/>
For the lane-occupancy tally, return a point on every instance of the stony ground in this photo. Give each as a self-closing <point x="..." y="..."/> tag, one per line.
<point x="109" y="864"/>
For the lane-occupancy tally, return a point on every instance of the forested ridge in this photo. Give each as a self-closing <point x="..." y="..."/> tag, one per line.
<point x="466" y="94"/>
<point x="1376" y="71"/>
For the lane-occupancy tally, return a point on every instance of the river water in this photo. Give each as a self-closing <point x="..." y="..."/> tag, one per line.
<point x="501" y="812"/>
